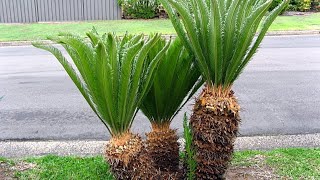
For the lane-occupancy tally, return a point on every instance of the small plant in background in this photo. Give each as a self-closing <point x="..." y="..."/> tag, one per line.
<point x="190" y="153"/>
<point x="139" y="9"/>
<point x="113" y="76"/>
<point x="304" y="5"/>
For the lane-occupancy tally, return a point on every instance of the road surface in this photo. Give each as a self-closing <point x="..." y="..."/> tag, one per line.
<point x="279" y="93"/>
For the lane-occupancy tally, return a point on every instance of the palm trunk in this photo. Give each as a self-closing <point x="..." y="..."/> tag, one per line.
<point x="128" y="158"/>
<point x="163" y="148"/>
<point x="214" y="123"/>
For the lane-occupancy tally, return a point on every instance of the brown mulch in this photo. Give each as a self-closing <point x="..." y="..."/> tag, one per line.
<point x="251" y="173"/>
<point x="5" y="172"/>
<point x="258" y="171"/>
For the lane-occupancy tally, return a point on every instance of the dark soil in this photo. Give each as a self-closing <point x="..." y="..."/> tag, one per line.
<point x="257" y="171"/>
<point x="251" y="173"/>
<point x="5" y="172"/>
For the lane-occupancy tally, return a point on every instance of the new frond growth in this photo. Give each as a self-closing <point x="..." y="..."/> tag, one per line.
<point x="190" y="153"/>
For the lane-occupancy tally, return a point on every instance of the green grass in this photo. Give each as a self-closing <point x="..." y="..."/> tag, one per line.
<point x="296" y="163"/>
<point x="17" y="32"/>
<point x="293" y="163"/>
<point x="308" y="22"/>
<point x="7" y="161"/>
<point x="61" y="168"/>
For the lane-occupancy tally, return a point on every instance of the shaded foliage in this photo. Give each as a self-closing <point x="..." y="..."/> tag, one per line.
<point x="176" y="80"/>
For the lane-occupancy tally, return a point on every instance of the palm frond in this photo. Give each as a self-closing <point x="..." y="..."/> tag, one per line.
<point x="113" y="74"/>
<point x="221" y="33"/>
<point x="176" y="80"/>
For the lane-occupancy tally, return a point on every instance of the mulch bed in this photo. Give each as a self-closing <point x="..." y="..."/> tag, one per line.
<point x="252" y="173"/>
<point x="5" y="171"/>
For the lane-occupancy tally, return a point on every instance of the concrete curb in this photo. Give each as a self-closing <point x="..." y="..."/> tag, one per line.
<point x="290" y="33"/>
<point x="13" y="149"/>
<point x="273" y="33"/>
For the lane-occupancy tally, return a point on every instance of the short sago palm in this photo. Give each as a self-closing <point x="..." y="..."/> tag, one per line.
<point x="113" y="75"/>
<point x="221" y="34"/>
<point x="176" y="80"/>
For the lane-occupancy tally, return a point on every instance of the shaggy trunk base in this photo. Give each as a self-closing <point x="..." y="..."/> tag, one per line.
<point x="163" y="147"/>
<point x="214" y="123"/>
<point x="128" y="158"/>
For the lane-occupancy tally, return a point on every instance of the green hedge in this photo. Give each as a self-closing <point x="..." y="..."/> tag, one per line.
<point x="140" y="9"/>
<point x="299" y="5"/>
<point x="148" y="9"/>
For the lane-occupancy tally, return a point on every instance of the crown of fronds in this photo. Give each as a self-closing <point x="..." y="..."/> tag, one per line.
<point x="221" y="33"/>
<point x="176" y="80"/>
<point x="112" y="73"/>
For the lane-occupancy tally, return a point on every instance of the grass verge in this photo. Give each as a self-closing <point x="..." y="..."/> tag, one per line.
<point x="18" y="32"/>
<point x="60" y="168"/>
<point x="293" y="163"/>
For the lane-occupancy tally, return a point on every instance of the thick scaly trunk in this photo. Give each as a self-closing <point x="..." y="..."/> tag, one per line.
<point x="163" y="148"/>
<point x="128" y="158"/>
<point x="214" y="123"/>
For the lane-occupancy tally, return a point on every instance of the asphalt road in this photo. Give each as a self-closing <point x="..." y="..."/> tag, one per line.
<point x="279" y="93"/>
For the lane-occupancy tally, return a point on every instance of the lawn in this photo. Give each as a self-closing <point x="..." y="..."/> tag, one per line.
<point x="17" y="32"/>
<point x="294" y="163"/>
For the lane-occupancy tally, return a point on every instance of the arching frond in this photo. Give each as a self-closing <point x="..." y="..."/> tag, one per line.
<point x="113" y="74"/>
<point x="221" y="33"/>
<point x="176" y="80"/>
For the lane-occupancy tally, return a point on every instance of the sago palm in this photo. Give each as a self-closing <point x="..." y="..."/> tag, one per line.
<point x="176" y="80"/>
<point x="221" y="34"/>
<point x="113" y="75"/>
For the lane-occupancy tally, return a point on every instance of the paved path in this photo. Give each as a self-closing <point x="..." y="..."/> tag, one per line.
<point x="85" y="148"/>
<point x="279" y="94"/>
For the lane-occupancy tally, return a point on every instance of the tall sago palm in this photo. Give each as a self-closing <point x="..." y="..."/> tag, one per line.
<point x="113" y="76"/>
<point x="176" y="80"/>
<point x="221" y="34"/>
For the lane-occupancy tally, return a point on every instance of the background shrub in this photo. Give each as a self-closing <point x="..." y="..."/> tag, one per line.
<point x="139" y="9"/>
<point x="148" y="9"/>
<point x="315" y="5"/>
<point x="304" y="5"/>
<point x="299" y="5"/>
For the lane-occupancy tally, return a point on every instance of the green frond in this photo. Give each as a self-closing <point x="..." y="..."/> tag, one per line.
<point x="221" y="33"/>
<point x="175" y="81"/>
<point x="112" y="73"/>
